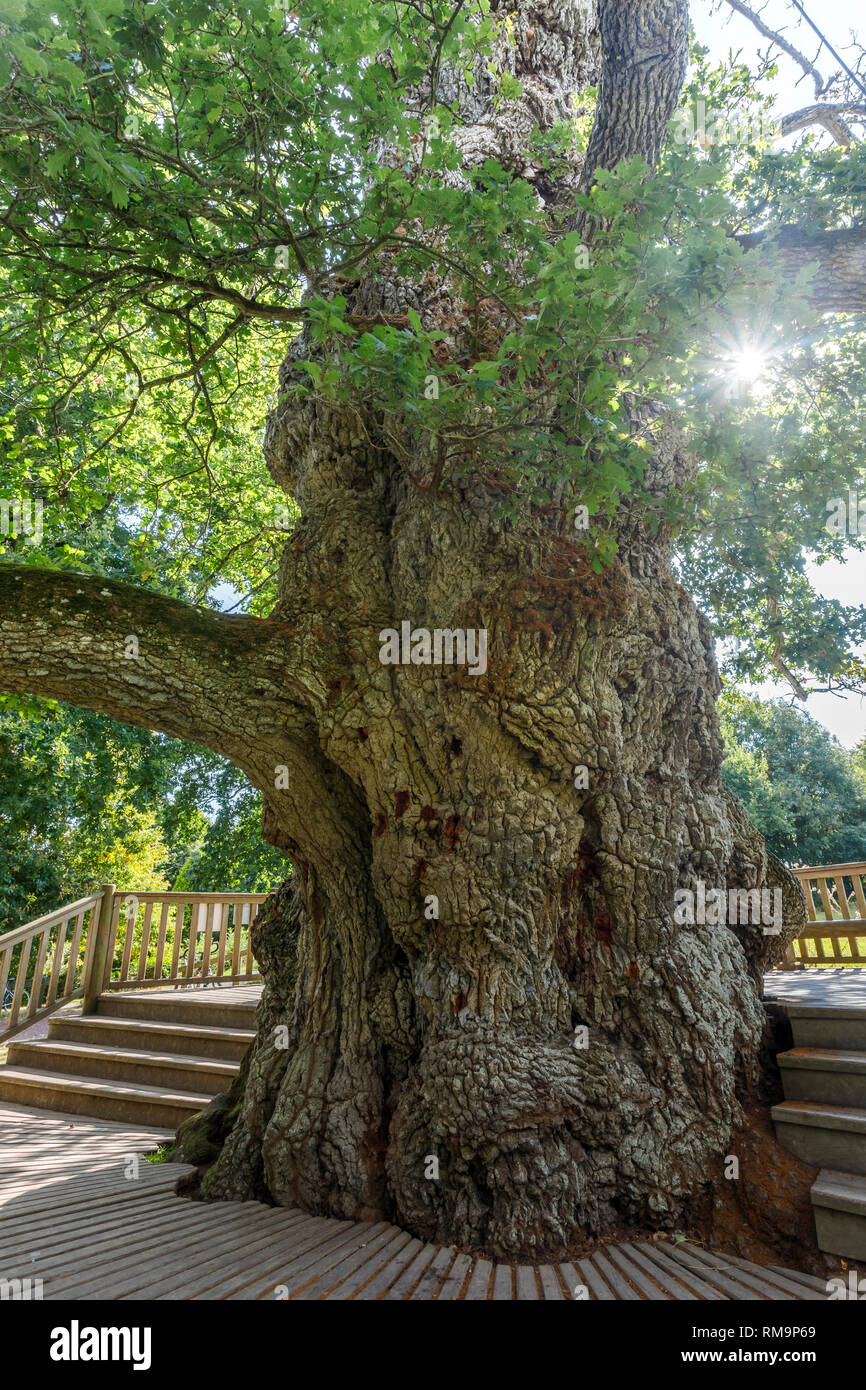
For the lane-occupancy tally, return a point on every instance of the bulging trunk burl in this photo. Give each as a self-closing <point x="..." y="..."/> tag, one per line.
<point x="487" y="1015"/>
<point x="481" y="1016"/>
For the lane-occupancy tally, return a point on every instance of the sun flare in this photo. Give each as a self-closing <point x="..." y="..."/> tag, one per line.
<point x="746" y="368"/>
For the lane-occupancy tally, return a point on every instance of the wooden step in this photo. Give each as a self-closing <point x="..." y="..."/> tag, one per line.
<point x="207" y="1008"/>
<point x="173" y="1071"/>
<point x="828" y="1026"/>
<point x="110" y="1100"/>
<point x="839" y="1204"/>
<point x="830" y="1076"/>
<point x="190" y="1039"/>
<point x="826" y="1136"/>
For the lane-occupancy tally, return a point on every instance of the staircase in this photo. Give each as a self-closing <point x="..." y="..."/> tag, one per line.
<point x="148" y="1057"/>
<point x="823" y="1117"/>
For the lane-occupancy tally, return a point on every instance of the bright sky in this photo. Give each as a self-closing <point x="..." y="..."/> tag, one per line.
<point x="721" y="29"/>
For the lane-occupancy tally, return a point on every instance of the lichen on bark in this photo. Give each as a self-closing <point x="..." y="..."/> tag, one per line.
<point x="452" y="1037"/>
<point x="422" y="1066"/>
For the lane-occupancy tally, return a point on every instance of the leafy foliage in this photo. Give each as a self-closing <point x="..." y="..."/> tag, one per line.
<point x="166" y="180"/>
<point x="775" y="457"/>
<point x="231" y="851"/>
<point x="803" y="790"/>
<point x="182" y="190"/>
<point x="85" y="800"/>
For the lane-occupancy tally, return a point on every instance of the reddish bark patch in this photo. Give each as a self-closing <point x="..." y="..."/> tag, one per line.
<point x="460" y="1003"/>
<point x="560" y="584"/>
<point x="633" y="970"/>
<point x="401" y="803"/>
<point x="380" y="825"/>
<point x="420" y="868"/>
<point x="531" y="622"/>
<point x="363" y="735"/>
<point x="427" y="814"/>
<point x="451" y="831"/>
<point x="603" y="928"/>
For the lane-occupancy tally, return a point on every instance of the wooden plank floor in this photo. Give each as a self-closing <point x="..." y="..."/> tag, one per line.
<point x="78" y="1212"/>
<point x="842" y="987"/>
<point x="240" y="995"/>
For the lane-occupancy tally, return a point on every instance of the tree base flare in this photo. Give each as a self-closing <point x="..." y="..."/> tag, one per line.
<point x="533" y="1142"/>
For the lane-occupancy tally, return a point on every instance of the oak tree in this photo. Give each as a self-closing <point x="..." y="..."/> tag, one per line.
<point x="510" y="296"/>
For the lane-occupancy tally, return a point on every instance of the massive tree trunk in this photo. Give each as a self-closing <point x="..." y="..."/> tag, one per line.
<point x="481" y="1017"/>
<point x="484" y="913"/>
<point x="415" y="1037"/>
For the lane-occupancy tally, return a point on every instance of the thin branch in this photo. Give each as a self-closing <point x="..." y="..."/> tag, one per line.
<point x="775" y="37"/>
<point x="827" y="44"/>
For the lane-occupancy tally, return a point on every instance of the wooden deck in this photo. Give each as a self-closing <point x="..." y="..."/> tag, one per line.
<point x="828" y="987"/>
<point x="78" y="1212"/>
<point x="841" y="986"/>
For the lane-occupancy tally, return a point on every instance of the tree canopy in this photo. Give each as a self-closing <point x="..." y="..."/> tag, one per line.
<point x="801" y="788"/>
<point x="179" y="192"/>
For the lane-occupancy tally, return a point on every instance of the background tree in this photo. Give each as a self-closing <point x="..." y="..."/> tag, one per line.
<point x="801" y="788"/>
<point x="511" y="316"/>
<point x="85" y="800"/>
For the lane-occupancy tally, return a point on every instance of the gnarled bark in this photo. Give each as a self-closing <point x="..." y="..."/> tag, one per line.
<point x="464" y="911"/>
<point x="432" y="1074"/>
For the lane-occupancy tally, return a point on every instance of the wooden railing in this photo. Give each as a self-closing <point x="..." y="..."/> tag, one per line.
<point x="46" y="963"/>
<point x="180" y="939"/>
<point x="836" y="908"/>
<point x="113" y="941"/>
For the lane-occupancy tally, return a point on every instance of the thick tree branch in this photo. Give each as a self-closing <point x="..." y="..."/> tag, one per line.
<point x="146" y="659"/>
<point x="225" y="682"/>
<point x="839" y="286"/>
<point x="831" y="116"/>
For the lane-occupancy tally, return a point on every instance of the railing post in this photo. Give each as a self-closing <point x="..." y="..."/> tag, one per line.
<point x="99" y="949"/>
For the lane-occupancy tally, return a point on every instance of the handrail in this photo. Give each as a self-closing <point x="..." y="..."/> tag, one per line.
<point x="180" y="939"/>
<point x="19" y="934"/>
<point x="151" y="897"/>
<point x="858" y="866"/>
<point x="132" y="940"/>
<point x="59" y="974"/>
<point x="835" y="897"/>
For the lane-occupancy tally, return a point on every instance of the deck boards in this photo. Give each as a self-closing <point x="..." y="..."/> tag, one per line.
<point x="70" y="1216"/>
